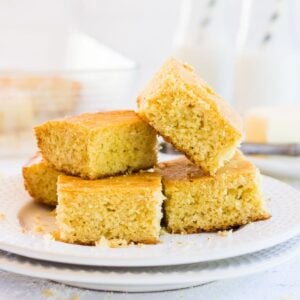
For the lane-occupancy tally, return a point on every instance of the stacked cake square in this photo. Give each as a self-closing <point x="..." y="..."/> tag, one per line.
<point x="101" y="170"/>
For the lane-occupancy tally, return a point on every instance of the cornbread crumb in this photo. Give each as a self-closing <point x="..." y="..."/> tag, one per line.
<point x="55" y="235"/>
<point x="48" y="237"/>
<point x="75" y="297"/>
<point x="39" y="229"/>
<point x="47" y="293"/>
<point x="103" y="242"/>
<point x="121" y="209"/>
<point x="188" y="114"/>
<point x="224" y="233"/>
<point x="40" y="180"/>
<point x="118" y="243"/>
<point x="96" y="145"/>
<point x="198" y="202"/>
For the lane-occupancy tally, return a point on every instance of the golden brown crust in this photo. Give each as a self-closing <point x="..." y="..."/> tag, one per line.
<point x="143" y="179"/>
<point x="149" y="241"/>
<point x="176" y="102"/>
<point x="187" y="74"/>
<point x="182" y="169"/>
<point x="127" y="172"/>
<point x="99" y="119"/>
<point x="27" y="186"/>
<point x="116" y="132"/>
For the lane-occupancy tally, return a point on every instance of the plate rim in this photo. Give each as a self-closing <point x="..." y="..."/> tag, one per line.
<point x="142" y="262"/>
<point x="257" y="264"/>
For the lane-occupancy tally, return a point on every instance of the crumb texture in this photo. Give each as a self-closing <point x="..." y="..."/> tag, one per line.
<point x="185" y="110"/>
<point x="40" y="180"/>
<point x="197" y="202"/>
<point x="98" y="145"/>
<point x="117" y="208"/>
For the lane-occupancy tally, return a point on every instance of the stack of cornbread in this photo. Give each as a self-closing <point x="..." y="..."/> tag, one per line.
<point x="101" y="170"/>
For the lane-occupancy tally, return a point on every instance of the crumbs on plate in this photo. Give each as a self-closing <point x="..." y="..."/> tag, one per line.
<point x="224" y="233"/>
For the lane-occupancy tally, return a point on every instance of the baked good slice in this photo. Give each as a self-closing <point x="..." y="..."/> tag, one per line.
<point x="198" y="202"/>
<point x="188" y="114"/>
<point x="95" y="145"/>
<point x="118" y="208"/>
<point x="40" y="180"/>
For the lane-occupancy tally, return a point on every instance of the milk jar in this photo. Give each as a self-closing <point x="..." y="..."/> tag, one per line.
<point x="267" y="65"/>
<point x="204" y="40"/>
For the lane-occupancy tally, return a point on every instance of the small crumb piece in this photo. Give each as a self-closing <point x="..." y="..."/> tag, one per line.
<point x="47" y="293"/>
<point x="114" y="243"/>
<point x="103" y="242"/>
<point x="118" y="243"/>
<point x="55" y="235"/>
<point x="225" y="233"/>
<point x="75" y="297"/>
<point x="39" y="228"/>
<point x="48" y="237"/>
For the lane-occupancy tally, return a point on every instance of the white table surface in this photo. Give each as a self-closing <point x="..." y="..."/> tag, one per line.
<point x="282" y="283"/>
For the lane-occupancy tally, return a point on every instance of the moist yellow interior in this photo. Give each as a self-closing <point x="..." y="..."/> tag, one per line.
<point x="122" y="149"/>
<point x="131" y="214"/>
<point x="195" y="205"/>
<point x="193" y="126"/>
<point x="98" y="152"/>
<point x="40" y="181"/>
<point x="64" y="145"/>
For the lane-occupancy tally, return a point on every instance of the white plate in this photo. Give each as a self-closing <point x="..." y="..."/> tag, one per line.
<point x="283" y="202"/>
<point x="154" y="278"/>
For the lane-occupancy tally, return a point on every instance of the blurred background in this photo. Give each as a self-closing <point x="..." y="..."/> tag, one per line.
<point x="63" y="57"/>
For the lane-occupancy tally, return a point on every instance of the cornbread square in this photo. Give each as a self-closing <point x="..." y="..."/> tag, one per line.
<point x="198" y="202"/>
<point x="95" y="145"/>
<point x="189" y="115"/>
<point x="40" y="180"/>
<point x="116" y="208"/>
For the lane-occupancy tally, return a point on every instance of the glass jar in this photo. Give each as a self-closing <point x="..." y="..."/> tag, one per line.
<point x="205" y="39"/>
<point x="267" y="64"/>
